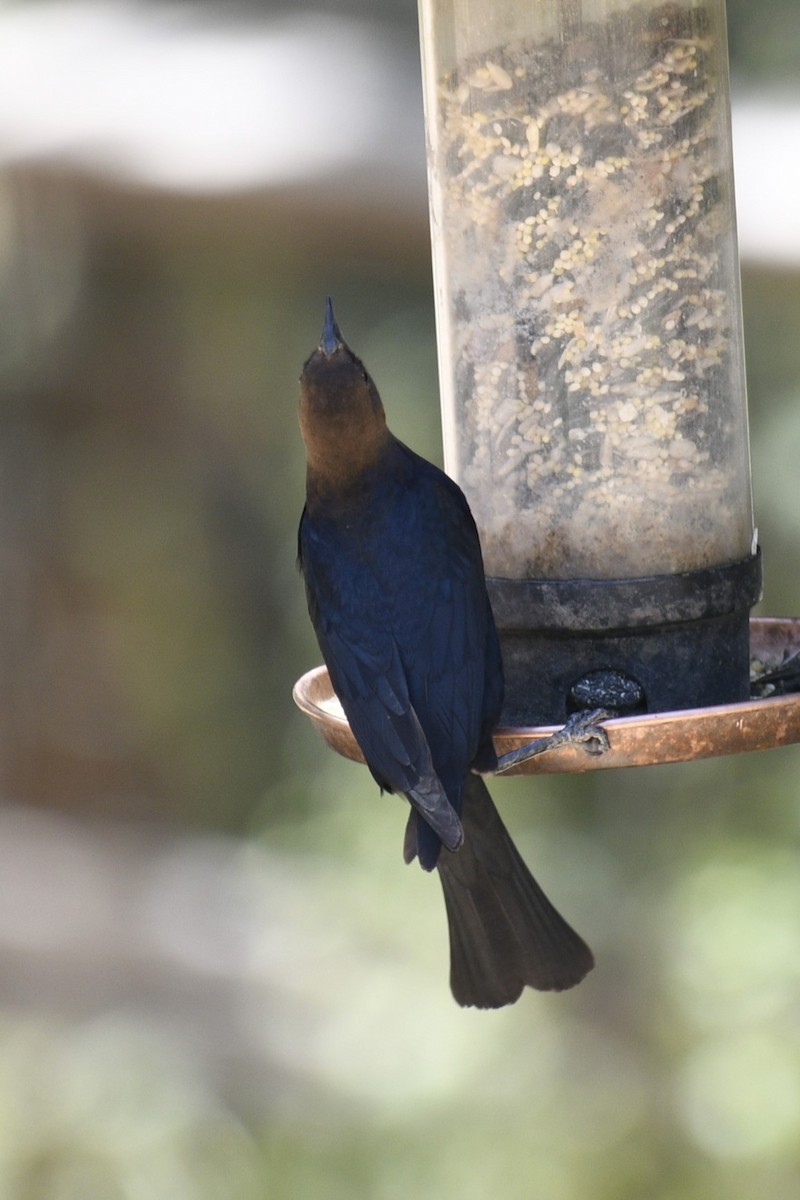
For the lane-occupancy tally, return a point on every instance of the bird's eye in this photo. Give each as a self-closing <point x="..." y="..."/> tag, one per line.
<point x="364" y="375"/>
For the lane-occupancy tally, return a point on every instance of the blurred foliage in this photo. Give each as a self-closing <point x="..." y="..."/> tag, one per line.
<point x="763" y="40"/>
<point x="151" y="477"/>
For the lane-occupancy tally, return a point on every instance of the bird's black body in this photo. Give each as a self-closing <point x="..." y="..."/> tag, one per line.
<point x="398" y="601"/>
<point x="396" y="592"/>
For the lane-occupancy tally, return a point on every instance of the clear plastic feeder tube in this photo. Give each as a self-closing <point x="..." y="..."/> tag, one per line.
<point x="587" y="282"/>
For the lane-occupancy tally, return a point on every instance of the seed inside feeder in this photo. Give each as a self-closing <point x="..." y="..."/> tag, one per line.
<point x="588" y="256"/>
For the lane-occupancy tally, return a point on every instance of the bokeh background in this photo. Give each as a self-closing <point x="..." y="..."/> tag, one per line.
<point x="217" y="979"/>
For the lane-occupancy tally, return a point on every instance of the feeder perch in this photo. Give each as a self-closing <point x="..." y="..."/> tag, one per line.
<point x="592" y="371"/>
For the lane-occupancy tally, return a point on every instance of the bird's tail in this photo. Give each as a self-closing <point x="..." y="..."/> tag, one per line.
<point x="504" y="932"/>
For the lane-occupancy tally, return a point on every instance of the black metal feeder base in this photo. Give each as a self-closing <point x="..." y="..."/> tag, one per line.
<point x="766" y="720"/>
<point x="656" y="644"/>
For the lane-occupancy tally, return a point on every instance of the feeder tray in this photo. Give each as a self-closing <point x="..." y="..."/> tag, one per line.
<point x="635" y="741"/>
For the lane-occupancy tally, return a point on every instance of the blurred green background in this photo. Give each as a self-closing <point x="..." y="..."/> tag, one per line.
<point x="216" y="977"/>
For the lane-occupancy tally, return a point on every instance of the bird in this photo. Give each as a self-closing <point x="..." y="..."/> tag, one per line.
<point x="397" y="596"/>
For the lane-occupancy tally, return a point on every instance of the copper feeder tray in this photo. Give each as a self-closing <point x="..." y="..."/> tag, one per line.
<point x="635" y="741"/>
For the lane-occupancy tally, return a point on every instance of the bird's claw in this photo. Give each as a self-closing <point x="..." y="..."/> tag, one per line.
<point x="581" y="729"/>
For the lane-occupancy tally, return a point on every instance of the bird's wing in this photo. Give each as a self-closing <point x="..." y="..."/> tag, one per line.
<point x="368" y="676"/>
<point x="443" y="621"/>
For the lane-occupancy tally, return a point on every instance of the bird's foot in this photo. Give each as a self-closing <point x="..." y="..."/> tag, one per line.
<point x="581" y="729"/>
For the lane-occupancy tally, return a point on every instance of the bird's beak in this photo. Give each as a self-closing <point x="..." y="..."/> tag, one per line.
<point x="331" y="339"/>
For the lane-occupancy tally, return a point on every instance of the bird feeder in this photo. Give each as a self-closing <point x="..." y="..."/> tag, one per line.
<point x="590" y="340"/>
<point x="592" y="371"/>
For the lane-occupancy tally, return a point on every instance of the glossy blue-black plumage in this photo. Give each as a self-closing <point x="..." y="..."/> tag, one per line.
<point x="397" y="595"/>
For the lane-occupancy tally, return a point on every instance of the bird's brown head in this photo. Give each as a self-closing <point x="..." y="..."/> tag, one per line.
<point x="341" y="415"/>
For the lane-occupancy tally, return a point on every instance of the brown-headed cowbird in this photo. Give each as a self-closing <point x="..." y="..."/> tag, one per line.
<point x="397" y="595"/>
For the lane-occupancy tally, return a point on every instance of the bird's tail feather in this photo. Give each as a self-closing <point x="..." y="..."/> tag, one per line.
<point x="504" y="932"/>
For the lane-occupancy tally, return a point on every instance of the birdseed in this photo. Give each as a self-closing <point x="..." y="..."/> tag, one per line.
<point x="594" y="300"/>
